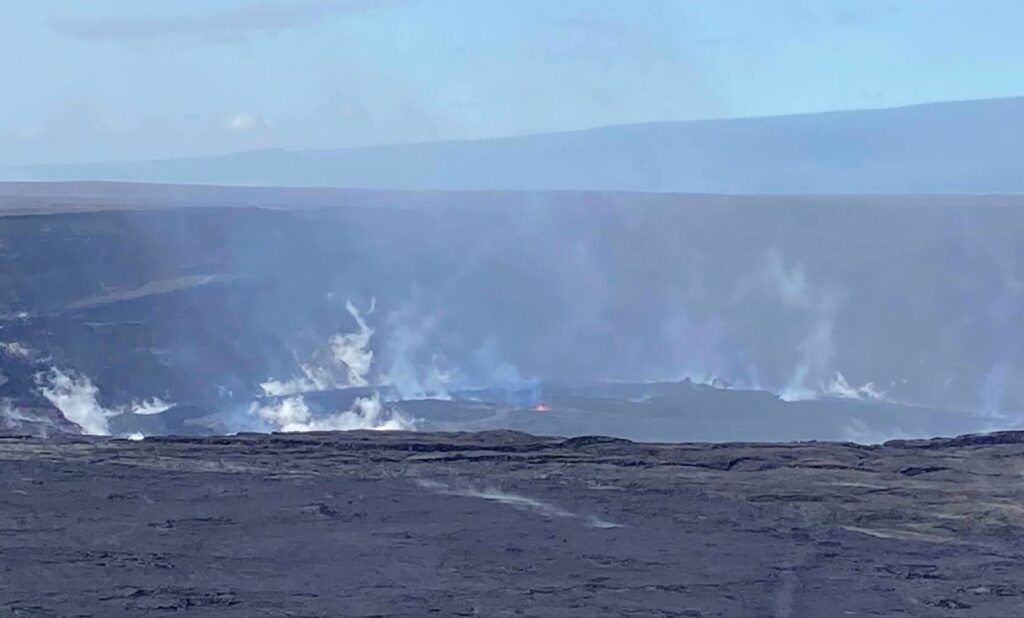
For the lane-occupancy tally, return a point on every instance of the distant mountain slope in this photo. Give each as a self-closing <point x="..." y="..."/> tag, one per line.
<point x="956" y="147"/>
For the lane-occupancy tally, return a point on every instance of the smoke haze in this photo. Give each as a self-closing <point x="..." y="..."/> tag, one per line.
<point x="500" y="300"/>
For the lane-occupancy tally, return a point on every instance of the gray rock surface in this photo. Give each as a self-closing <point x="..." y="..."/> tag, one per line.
<point x="503" y="524"/>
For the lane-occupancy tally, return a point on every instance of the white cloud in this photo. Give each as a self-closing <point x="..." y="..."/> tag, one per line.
<point x="245" y="122"/>
<point x="265" y="16"/>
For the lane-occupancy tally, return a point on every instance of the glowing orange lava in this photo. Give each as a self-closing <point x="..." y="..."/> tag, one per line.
<point x="540" y="407"/>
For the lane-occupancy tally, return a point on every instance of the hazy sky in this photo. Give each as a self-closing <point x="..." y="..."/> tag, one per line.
<point x="122" y="79"/>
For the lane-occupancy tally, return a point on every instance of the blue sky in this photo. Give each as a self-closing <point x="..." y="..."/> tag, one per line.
<point x="125" y="79"/>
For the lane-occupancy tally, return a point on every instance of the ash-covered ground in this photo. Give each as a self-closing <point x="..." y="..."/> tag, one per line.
<point x="507" y="524"/>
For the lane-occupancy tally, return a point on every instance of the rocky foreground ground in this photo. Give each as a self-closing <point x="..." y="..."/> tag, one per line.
<point x="505" y="524"/>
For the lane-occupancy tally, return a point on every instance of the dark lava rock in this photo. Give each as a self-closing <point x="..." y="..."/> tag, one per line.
<point x="504" y="523"/>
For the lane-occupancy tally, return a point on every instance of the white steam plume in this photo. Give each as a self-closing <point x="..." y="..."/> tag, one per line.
<point x="149" y="407"/>
<point x="348" y="362"/>
<point x="75" y="396"/>
<point x="815" y="358"/>
<point x="353" y="349"/>
<point x="13" y="418"/>
<point x="992" y="391"/>
<point x="814" y="374"/>
<point x="698" y="354"/>
<point x="13" y="349"/>
<point x="293" y="415"/>
<point x="839" y="387"/>
<point x="518" y="501"/>
<point x="313" y="379"/>
<point x="407" y="365"/>
<point x="859" y="432"/>
<point x="408" y="371"/>
<point x="816" y="349"/>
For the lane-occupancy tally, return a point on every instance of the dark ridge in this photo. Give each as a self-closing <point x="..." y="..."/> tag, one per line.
<point x="978" y="439"/>
<point x="583" y="441"/>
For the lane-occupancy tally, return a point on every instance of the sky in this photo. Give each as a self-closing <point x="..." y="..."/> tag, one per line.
<point x="122" y="79"/>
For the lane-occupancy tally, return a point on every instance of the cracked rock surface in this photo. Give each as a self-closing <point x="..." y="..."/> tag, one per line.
<point x="508" y="524"/>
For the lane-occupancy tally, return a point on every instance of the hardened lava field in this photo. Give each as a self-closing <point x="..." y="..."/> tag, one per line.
<point x="504" y="523"/>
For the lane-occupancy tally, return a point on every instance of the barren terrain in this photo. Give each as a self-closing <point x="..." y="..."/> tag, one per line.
<point x="502" y="523"/>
